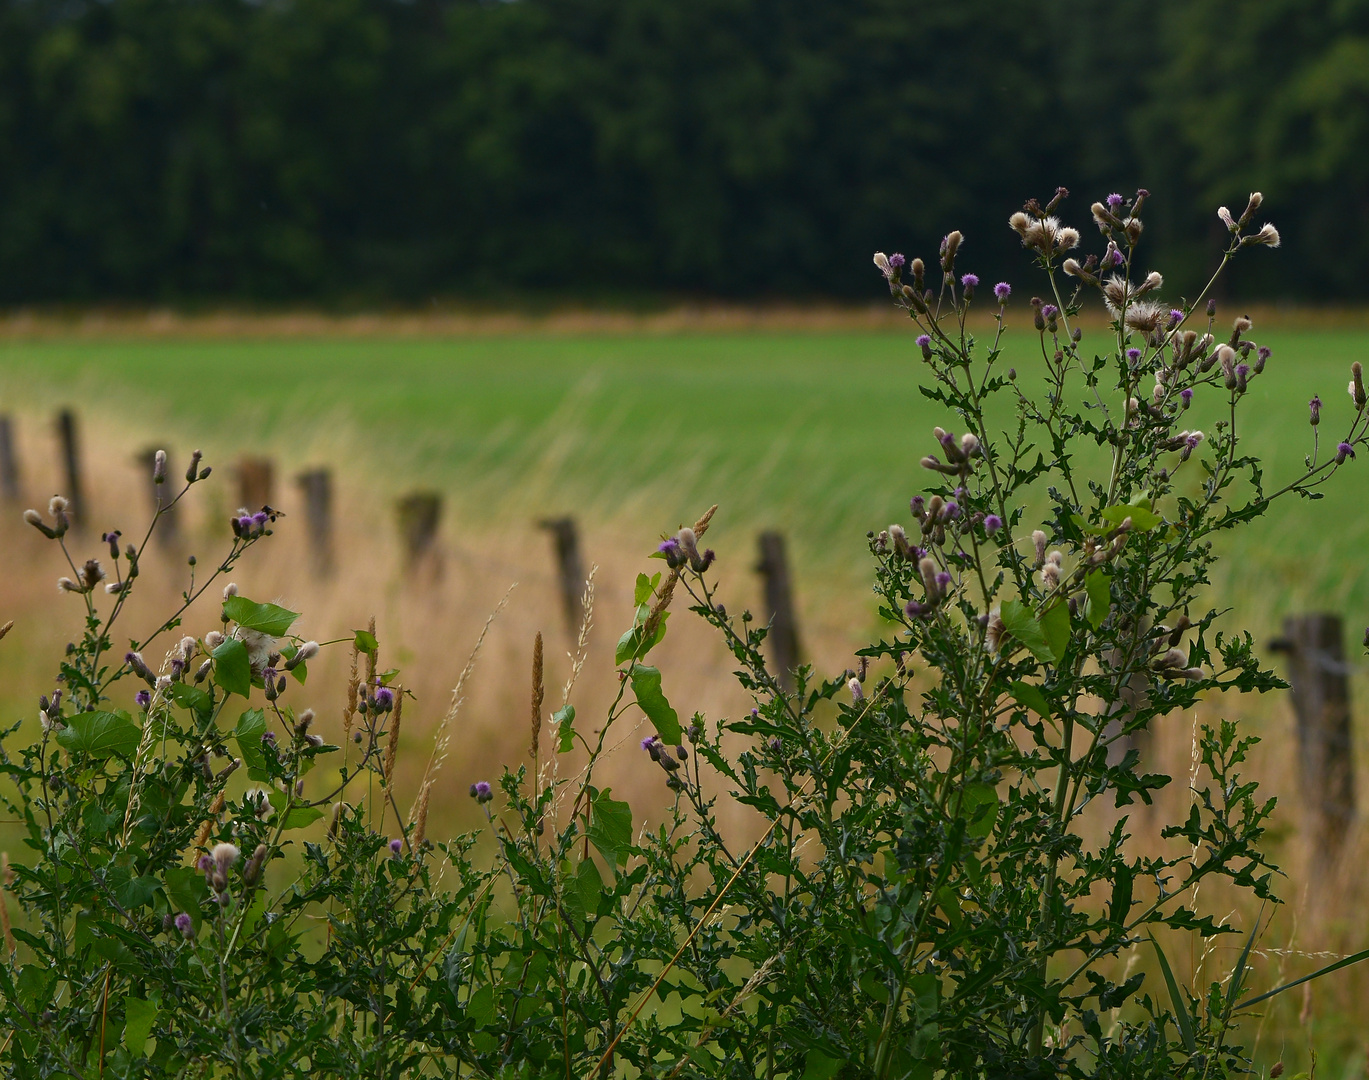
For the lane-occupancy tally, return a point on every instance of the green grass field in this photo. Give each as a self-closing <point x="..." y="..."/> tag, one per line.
<point x="815" y="433"/>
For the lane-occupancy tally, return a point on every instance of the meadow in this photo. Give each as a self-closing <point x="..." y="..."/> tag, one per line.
<point x="635" y="432"/>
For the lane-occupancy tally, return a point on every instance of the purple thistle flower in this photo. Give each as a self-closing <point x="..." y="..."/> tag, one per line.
<point x="1118" y="258"/>
<point x="1314" y="407"/>
<point x="143" y="698"/>
<point x="1133" y="355"/>
<point x="1114" y="201"/>
<point x="205" y="863"/>
<point x="943" y="580"/>
<point x="970" y="281"/>
<point x="992" y="524"/>
<point x="481" y="792"/>
<point x="268" y="738"/>
<point x="1175" y="316"/>
<point x="648" y="743"/>
<point x="923" y="341"/>
<point x="1002" y="291"/>
<point x="1186" y="395"/>
<point x="1049" y="311"/>
<point x="917" y="610"/>
<point x="915" y="504"/>
<point x="775" y="744"/>
<point x="395" y="845"/>
<point x="1242" y="376"/>
<point x="185" y="924"/>
<point x="385" y="699"/>
<point x="1343" y="451"/>
<point x="1264" y="353"/>
<point x="950" y="511"/>
<point x="896" y="261"/>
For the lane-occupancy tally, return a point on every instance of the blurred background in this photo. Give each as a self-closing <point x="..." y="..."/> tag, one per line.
<point x="488" y="294"/>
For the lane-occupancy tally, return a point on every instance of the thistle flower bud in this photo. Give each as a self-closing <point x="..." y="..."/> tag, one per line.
<point x="36" y="520"/>
<point x="900" y="539"/>
<point x="924" y="342"/>
<point x="1227" y="219"/>
<point x="1343" y="451"/>
<point x="992" y="524"/>
<point x="251" y="871"/>
<point x="1242" y="377"/>
<point x="857" y="691"/>
<point x="969" y="282"/>
<point x="229" y="590"/>
<point x="1066" y="239"/>
<point x="1356" y="387"/>
<point x="882" y="262"/>
<point x="159" y="467"/>
<point x="185" y="924"/>
<point x="1254" y="204"/>
<point x="927" y="568"/>
<point x="192" y="473"/>
<point x="1268" y="236"/>
<point x="1039" y="542"/>
<point x="949" y="247"/>
<point x="969" y="445"/>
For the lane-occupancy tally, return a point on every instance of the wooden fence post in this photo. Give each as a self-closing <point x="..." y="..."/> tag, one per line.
<point x="783" y="638"/>
<point x="570" y="568"/>
<point x="256" y="482"/>
<point x="71" y="463"/>
<point x="419" y="514"/>
<point x="317" y="486"/>
<point x="9" y="462"/>
<point x="166" y="528"/>
<point x="1321" y="700"/>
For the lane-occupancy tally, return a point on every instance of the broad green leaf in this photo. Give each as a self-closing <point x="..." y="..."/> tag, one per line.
<point x="584" y="889"/>
<point x="100" y="734"/>
<point x="1022" y="625"/>
<point x="646" y="588"/>
<point x="564" y="719"/>
<point x="480" y="1007"/>
<point x="232" y="669"/>
<point x="366" y="642"/>
<point x="135" y="892"/>
<point x="1055" y="625"/>
<point x="1030" y="697"/>
<point x="297" y="817"/>
<point x="610" y="827"/>
<point x="1100" y="597"/>
<point x="979" y="804"/>
<point x="251" y="727"/>
<point x="186" y="890"/>
<point x="646" y="685"/>
<point x="191" y="697"/>
<point x="821" y="1067"/>
<point x="632" y="645"/>
<point x="139" y="1016"/>
<point x="270" y="619"/>
<point x="1143" y="519"/>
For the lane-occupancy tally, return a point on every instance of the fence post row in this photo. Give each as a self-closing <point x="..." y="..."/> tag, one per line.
<point x="256" y="482"/>
<point x="570" y="568"/>
<point x="419" y="514"/>
<point x="71" y="463"/>
<point x="317" y="488"/>
<point x="9" y="461"/>
<point x="783" y="638"/>
<point x="1321" y="701"/>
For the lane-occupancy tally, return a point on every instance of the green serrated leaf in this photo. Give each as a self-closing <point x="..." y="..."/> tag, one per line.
<point x="564" y="719"/>
<point x="139" y="1016"/>
<point x="270" y="619"/>
<point x="101" y="734"/>
<point x="589" y="886"/>
<point x="1021" y="624"/>
<point x="248" y="732"/>
<point x="1055" y="625"/>
<point x="979" y="804"/>
<point x="1100" y="597"/>
<point x="821" y="1067"/>
<point x="191" y="697"/>
<point x="232" y="669"/>
<point x="610" y="827"/>
<point x="646" y="686"/>
<point x="1143" y="519"/>
<point x="1031" y="697"/>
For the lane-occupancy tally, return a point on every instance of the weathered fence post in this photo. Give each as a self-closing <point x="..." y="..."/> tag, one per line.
<point x="71" y="463"/>
<point x="256" y="482"/>
<point x="1321" y="700"/>
<point x="317" y="486"/>
<point x="166" y="528"/>
<point x="783" y="638"/>
<point x="9" y="461"/>
<point x="419" y="513"/>
<point x="570" y="568"/>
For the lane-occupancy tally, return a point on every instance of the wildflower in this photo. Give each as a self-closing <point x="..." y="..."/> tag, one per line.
<point x="185" y="924"/>
<point x="384" y="699"/>
<point x="994" y="629"/>
<point x="896" y="261"/>
<point x="57" y="507"/>
<point x="1343" y="451"/>
<point x="112" y="539"/>
<point x="1144" y="317"/>
<point x="1186" y="396"/>
<point x="1114" y="201"/>
<point x="925" y="344"/>
<point x="969" y="283"/>
<point x="1039" y="542"/>
<point x="1242" y="377"/>
<point x="775" y="744"/>
<point x="159" y="467"/>
<point x="857" y="692"/>
<point x="1134" y="356"/>
<point x="917" y="610"/>
<point x="143" y="698"/>
<point x="1175" y="316"/>
<point x="481" y="792"/>
<point x="1268" y="236"/>
<point x="1356" y="387"/>
<point x="34" y="518"/>
<point x="213" y="640"/>
<point x="230" y="590"/>
<point x="992" y="524"/>
<point x="251" y="873"/>
<point x="192" y="473"/>
<point x="1227" y="219"/>
<point x="395" y="845"/>
<point x="1002" y="291"/>
<point x="674" y="556"/>
<point x="885" y="268"/>
<point x="1314" y="408"/>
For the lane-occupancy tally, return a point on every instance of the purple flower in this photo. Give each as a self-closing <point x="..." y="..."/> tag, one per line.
<point x="1049" y="311"/>
<point x="395" y="845"/>
<point x="992" y="524"/>
<point x="143" y="698"/>
<point x="775" y="744"/>
<point x="481" y="792"/>
<point x="648" y="743"/>
<point x="205" y="863"/>
<point x="1133" y="355"/>
<point x="1114" y="201"/>
<point x="1175" y="316"/>
<point x="185" y="924"/>
<point x="1118" y="258"/>
<point x="1343" y="451"/>
<point x="950" y="511"/>
<point x="1264" y="353"/>
<point x="917" y="610"/>
<point x="1242" y="376"/>
<point x="896" y="261"/>
<point x="1002" y="291"/>
<point x="923" y="341"/>
<point x="943" y="580"/>
<point x="1314" y="407"/>
<point x="385" y="699"/>
<point x="268" y="738"/>
<point x="916" y="504"/>
<point x="1186" y="395"/>
<point x="970" y="281"/>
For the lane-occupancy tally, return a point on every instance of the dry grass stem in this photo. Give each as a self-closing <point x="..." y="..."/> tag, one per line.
<point x="538" y="693"/>
<point x="392" y="744"/>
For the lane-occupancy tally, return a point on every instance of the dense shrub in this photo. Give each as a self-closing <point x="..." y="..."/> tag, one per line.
<point x="942" y="884"/>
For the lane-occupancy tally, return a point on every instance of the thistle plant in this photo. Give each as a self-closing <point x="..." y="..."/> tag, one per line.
<point x="938" y="878"/>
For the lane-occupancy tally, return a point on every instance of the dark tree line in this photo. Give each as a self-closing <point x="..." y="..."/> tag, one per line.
<point x="365" y="150"/>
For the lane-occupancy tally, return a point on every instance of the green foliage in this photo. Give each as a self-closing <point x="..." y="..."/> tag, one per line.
<point x="935" y="881"/>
